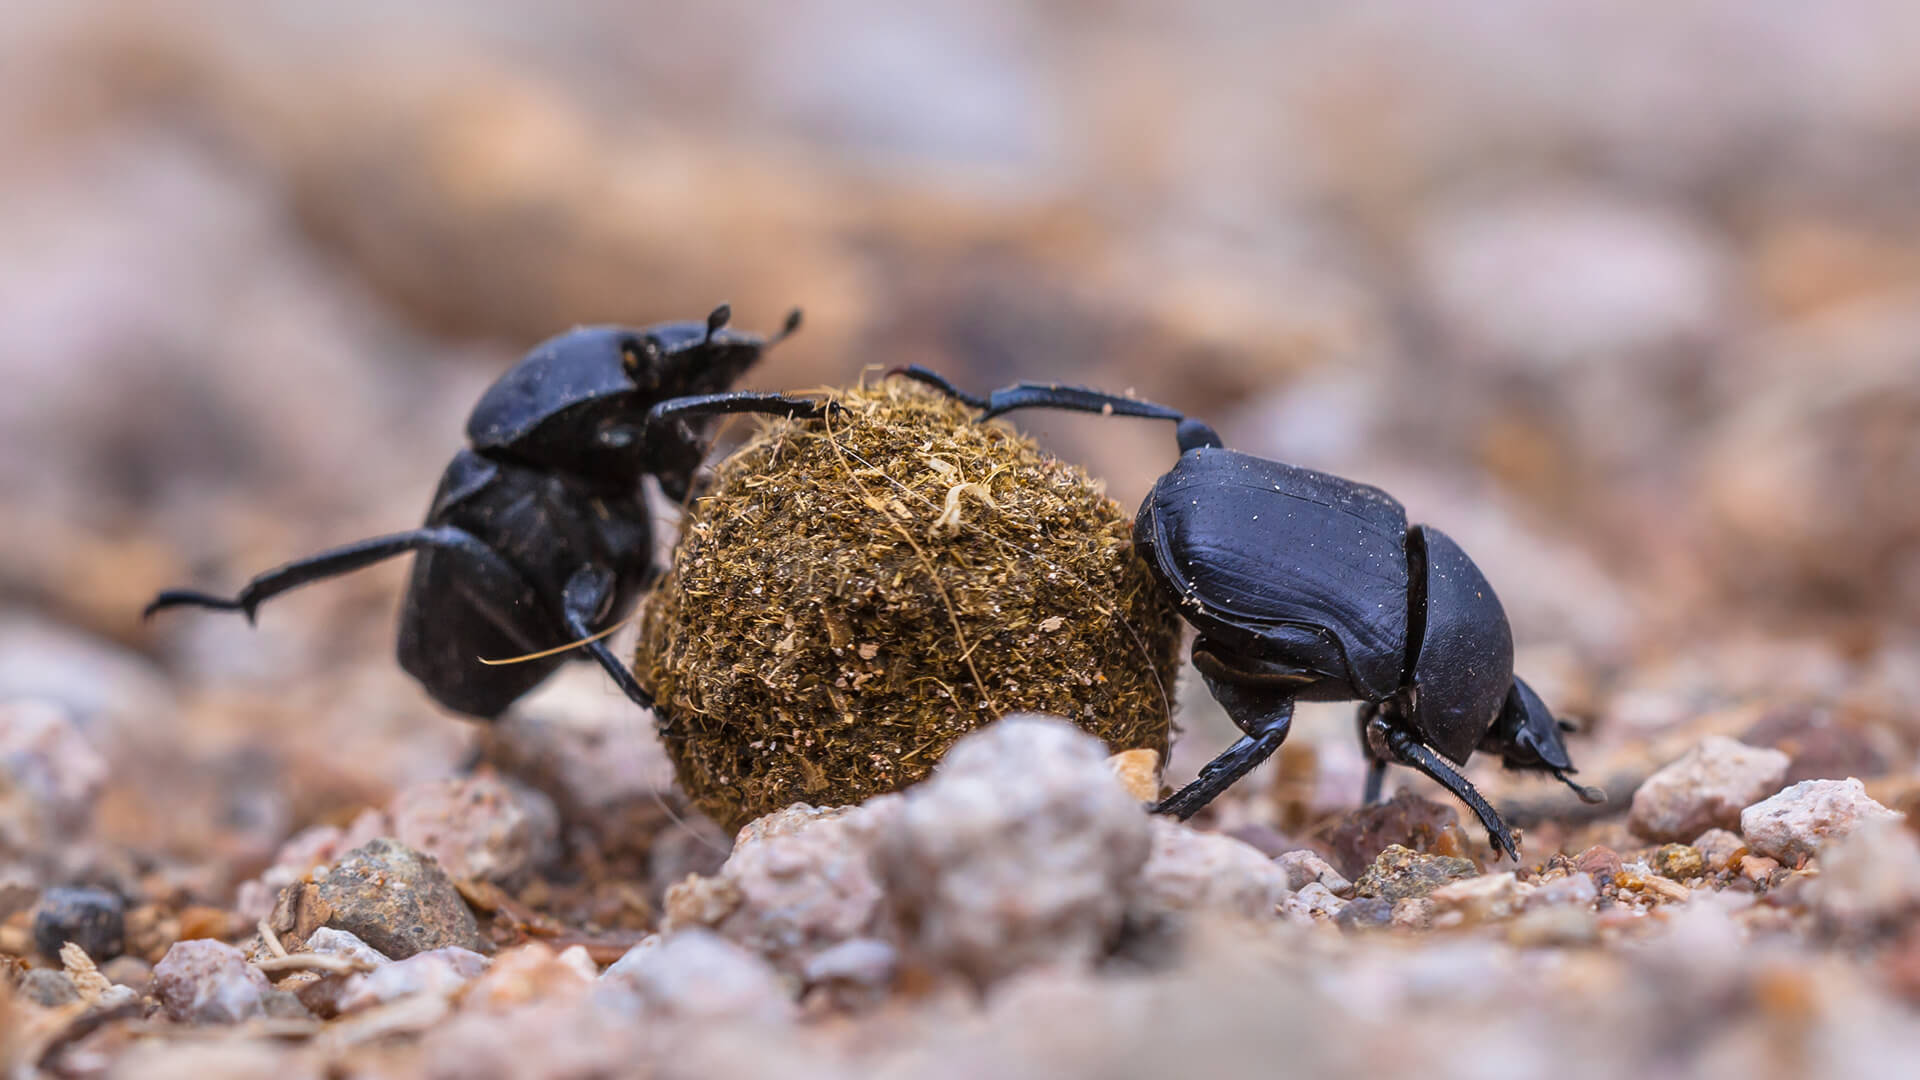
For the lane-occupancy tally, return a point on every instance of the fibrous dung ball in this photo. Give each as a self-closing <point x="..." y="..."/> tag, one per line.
<point x="852" y="595"/>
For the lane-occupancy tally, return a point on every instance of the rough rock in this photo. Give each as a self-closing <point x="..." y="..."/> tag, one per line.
<point x="1303" y="866"/>
<point x="798" y="882"/>
<point x="437" y="971"/>
<point x="1020" y="850"/>
<point x="1400" y="873"/>
<point x="1557" y="924"/>
<point x="209" y="982"/>
<point x="94" y="919"/>
<point x="696" y="975"/>
<point x="1796" y="823"/>
<point x="394" y="898"/>
<point x="1482" y="899"/>
<point x="1706" y="787"/>
<point x="549" y="1040"/>
<point x="1869" y="881"/>
<point x="1413" y="913"/>
<point x="1195" y="871"/>
<point x="478" y="827"/>
<point x="303" y="852"/>
<point x="49" y="777"/>
<point x="867" y="963"/>
<point x="1407" y="820"/>
<point x="48" y="988"/>
<point x="1599" y="863"/>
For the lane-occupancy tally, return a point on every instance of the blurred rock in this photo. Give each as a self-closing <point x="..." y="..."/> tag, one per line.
<point x="1413" y="913"/>
<point x="696" y="975"/>
<point x="531" y="973"/>
<point x="436" y="971"/>
<point x="1481" y="899"/>
<point x="209" y="982"/>
<point x="48" y="988"/>
<point x="1719" y="847"/>
<point x="1599" y="863"/>
<point x="93" y="919"/>
<point x="593" y="754"/>
<point x="1020" y="850"/>
<point x="1554" y="925"/>
<point x="1793" y="825"/>
<point x="1400" y="873"/>
<point x="394" y="898"/>
<point x="553" y="1040"/>
<point x="1678" y="862"/>
<point x="104" y="689"/>
<point x="49" y="777"/>
<point x="798" y="883"/>
<point x="1869" y="881"/>
<point x="478" y="827"/>
<point x="1311" y="903"/>
<point x="1577" y="890"/>
<point x="301" y="854"/>
<point x="1366" y="913"/>
<point x="1303" y="866"/>
<point x="328" y="941"/>
<point x="861" y="969"/>
<point x="1407" y="820"/>
<point x="1190" y="870"/>
<point x="1706" y="788"/>
<point x="1139" y="772"/>
<point x="1820" y="743"/>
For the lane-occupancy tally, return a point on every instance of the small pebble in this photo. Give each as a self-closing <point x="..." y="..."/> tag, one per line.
<point x="330" y="941"/>
<point x="209" y="982"/>
<point x="1555" y="925"/>
<point x="1576" y="890"/>
<point x="1413" y="913"/>
<point x="48" y="988"/>
<point x="1793" y="825"/>
<point x="1719" y="848"/>
<point x="438" y="971"/>
<point x="1138" y="772"/>
<point x="93" y="919"/>
<point x="1600" y="863"/>
<point x="1758" y="868"/>
<point x="1303" y="866"/>
<point x="1869" y="881"/>
<point x="1481" y="899"/>
<point x="1366" y="913"/>
<point x="1407" y="820"/>
<point x="1400" y="873"/>
<point x="1312" y="903"/>
<point x="1707" y="787"/>
<point x="1679" y="862"/>
<point x="529" y="973"/>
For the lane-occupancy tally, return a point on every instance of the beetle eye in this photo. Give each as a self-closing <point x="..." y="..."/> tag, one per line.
<point x="640" y="357"/>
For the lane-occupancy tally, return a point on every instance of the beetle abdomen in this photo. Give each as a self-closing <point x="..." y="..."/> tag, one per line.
<point x="1252" y="545"/>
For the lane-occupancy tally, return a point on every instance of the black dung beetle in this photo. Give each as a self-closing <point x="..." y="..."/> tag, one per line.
<point x="539" y="533"/>
<point x="1305" y="586"/>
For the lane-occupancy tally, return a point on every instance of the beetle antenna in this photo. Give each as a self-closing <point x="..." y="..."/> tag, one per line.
<point x="720" y="317"/>
<point x="1589" y="795"/>
<point x="786" y="329"/>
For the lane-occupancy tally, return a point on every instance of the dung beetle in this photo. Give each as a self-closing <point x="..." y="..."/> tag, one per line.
<point x="1306" y="586"/>
<point x="539" y="533"/>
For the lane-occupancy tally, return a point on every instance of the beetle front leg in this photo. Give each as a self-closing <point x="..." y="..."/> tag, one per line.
<point x="1265" y="715"/>
<point x="585" y="594"/>
<point x="1409" y="751"/>
<point x="1376" y="765"/>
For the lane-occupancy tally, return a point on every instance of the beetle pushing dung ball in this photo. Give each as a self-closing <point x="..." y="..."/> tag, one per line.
<point x="1305" y="586"/>
<point x="851" y="597"/>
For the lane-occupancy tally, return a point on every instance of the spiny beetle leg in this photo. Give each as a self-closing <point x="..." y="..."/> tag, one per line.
<point x="1026" y="395"/>
<point x="1263" y="737"/>
<point x="1413" y="753"/>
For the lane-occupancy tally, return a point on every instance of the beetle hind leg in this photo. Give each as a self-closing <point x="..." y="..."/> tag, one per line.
<point x="329" y="563"/>
<point x="1265" y="716"/>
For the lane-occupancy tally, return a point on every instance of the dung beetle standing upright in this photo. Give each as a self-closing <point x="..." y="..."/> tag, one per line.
<point x="1305" y="586"/>
<point x="539" y="533"/>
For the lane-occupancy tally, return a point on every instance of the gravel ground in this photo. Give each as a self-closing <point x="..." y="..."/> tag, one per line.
<point x="1624" y="301"/>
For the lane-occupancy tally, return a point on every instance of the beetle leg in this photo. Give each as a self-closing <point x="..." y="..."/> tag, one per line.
<point x="1265" y="716"/>
<point x="1376" y="765"/>
<point x="1411" y="752"/>
<point x="585" y="594"/>
<point x="1026" y="395"/>
<point x="736" y="401"/>
<point x="329" y="563"/>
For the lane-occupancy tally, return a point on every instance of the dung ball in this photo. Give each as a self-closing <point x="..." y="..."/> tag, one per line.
<point x="851" y="596"/>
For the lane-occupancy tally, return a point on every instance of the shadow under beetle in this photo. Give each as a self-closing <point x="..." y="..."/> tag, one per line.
<point x="539" y="532"/>
<point x="1305" y="586"/>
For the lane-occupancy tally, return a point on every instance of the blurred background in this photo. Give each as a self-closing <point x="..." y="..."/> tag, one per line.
<point x="1625" y="297"/>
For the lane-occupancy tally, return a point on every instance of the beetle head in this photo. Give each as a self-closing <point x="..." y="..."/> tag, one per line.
<point x="577" y="401"/>
<point x="1526" y="736"/>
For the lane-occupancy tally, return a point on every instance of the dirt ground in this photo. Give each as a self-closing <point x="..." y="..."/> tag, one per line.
<point x="1624" y="298"/>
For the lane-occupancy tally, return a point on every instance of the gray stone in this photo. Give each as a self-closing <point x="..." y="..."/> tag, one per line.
<point x="397" y="900"/>
<point x="1194" y="871"/>
<point x="696" y="975"/>
<point x="1794" y="825"/>
<point x="209" y="982"/>
<point x="478" y="827"/>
